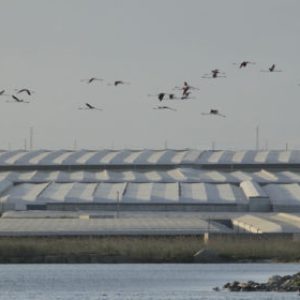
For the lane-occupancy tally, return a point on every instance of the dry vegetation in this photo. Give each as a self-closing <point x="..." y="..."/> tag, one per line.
<point x="139" y="249"/>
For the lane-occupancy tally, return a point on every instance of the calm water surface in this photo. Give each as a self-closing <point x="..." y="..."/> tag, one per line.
<point x="135" y="281"/>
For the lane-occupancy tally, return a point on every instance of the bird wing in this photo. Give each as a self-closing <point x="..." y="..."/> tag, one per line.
<point x="16" y="98"/>
<point x="89" y="105"/>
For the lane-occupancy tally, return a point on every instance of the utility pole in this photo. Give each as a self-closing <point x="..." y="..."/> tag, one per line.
<point x="213" y="146"/>
<point x="166" y="144"/>
<point x="31" y="138"/>
<point x="75" y="145"/>
<point x="257" y="137"/>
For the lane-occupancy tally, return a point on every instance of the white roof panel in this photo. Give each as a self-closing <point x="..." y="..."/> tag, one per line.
<point x="283" y="194"/>
<point x="172" y="156"/>
<point x="120" y="157"/>
<point x="11" y="160"/>
<point x="216" y="176"/>
<point x="109" y="192"/>
<point x="283" y="157"/>
<point x="176" y="175"/>
<point x="72" y="176"/>
<point x="121" y="175"/>
<point x="288" y="176"/>
<point x="102" y="175"/>
<point x="164" y="192"/>
<point x="96" y="158"/>
<point x="256" y="224"/>
<point x="193" y="192"/>
<point x="252" y="190"/>
<point x="155" y="156"/>
<point x="153" y="175"/>
<point x="264" y="176"/>
<point x="8" y="175"/>
<point x="138" y="192"/>
<point x="295" y="156"/>
<point x="60" y="159"/>
<point x="24" y="192"/>
<point x="106" y="159"/>
<point x="215" y="157"/>
<point x="192" y="156"/>
<point x="5" y="185"/>
<point x="50" y="158"/>
<point x="41" y="176"/>
<point x="228" y="193"/>
<point x="241" y="176"/>
<point x="261" y="156"/>
<point x="159" y="157"/>
<point x="55" y="192"/>
<point x="25" y="176"/>
<point x="238" y="156"/>
<point x="79" y="157"/>
<point x="37" y="158"/>
<point x="30" y="157"/>
<point x="132" y="156"/>
<point x="81" y="192"/>
<point x="224" y="193"/>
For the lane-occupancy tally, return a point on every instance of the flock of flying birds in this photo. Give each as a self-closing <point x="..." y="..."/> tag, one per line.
<point x="186" y="90"/>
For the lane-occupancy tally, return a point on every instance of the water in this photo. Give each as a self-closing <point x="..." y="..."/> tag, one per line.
<point x="135" y="281"/>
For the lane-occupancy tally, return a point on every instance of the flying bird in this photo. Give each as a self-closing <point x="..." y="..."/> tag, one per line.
<point x="89" y="106"/>
<point x="90" y="80"/>
<point x="164" y="108"/>
<point x="244" y="64"/>
<point x="163" y="96"/>
<point x="119" y="82"/>
<point x="27" y="91"/>
<point x="185" y="88"/>
<point x="2" y="93"/>
<point x="18" y="100"/>
<point x="214" y="112"/>
<point x="216" y="73"/>
<point x="186" y="96"/>
<point x="271" y="69"/>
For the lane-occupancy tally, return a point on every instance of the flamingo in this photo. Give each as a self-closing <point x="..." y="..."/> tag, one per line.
<point x="164" y="108"/>
<point x="119" y="82"/>
<point x="89" y="106"/>
<point x="162" y="96"/>
<point x="18" y="100"/>
<point x="244" y="63"/>
<point x="215" y="73"/>
<point x="186" y="96"/>
<point x="186" y="88"/>
<point x="271" y="69"/>
<point x="214" y="112"/>
<point x="27" y="91"/>
<point x="90" y="80"/>
<point x="2" y="93"/>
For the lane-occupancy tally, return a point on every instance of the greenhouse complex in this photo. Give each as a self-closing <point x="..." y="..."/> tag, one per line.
<point x="149" y="192"/>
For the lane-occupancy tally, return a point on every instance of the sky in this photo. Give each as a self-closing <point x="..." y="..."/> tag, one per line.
<point x="49" y="46"/>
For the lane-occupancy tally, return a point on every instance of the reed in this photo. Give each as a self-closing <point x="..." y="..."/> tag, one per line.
<point x="248" y="249"/>
<point x="179" y="249"/>
<point x="98" y="249"/>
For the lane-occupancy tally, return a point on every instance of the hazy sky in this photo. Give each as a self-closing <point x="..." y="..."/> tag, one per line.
<point x="50" y="45"/>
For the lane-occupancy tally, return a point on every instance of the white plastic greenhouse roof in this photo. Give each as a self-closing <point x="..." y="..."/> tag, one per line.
<point x="42" y="193"/>
<point x="143" y="176"/>
<point x="146" y="157"/>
